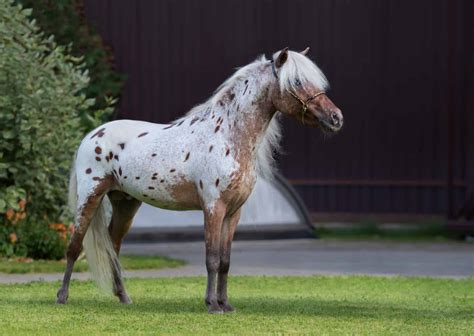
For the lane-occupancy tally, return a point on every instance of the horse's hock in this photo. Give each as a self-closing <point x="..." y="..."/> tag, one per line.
<point x="274" y="210"/>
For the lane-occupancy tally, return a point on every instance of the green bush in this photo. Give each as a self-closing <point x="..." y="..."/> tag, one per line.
<point x="65" y="20"/>
<point x="38" y="241"/>
<point x="42" y="96"/>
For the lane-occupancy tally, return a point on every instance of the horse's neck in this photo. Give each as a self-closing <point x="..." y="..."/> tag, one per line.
<point x="247" y="106"/>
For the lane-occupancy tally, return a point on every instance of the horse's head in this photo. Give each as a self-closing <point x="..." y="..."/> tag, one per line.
<point x="301" y="92"/>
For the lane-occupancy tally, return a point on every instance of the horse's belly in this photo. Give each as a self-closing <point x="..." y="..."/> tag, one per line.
<point x="174" y="195"/>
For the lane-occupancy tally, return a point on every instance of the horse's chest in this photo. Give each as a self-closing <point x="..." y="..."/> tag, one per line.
<point x="240" y="187"/>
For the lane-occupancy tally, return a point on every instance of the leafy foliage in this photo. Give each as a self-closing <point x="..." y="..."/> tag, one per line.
<point x="42" y="96"/>
<point x="65" y="20"/>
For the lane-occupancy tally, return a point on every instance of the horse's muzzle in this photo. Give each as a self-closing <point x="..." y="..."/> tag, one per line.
<point x="332" y="120"/>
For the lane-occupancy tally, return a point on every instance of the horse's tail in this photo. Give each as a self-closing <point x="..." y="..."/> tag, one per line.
<point x="101" y="257"/>
<point x="72" y="194"/>
<point x="103" y="261"/>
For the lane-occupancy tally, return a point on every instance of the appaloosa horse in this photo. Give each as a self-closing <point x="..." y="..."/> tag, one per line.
<point x="207" y="160"/>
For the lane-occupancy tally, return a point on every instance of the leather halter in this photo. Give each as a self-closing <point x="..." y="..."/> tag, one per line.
<point x="304" y="102"/>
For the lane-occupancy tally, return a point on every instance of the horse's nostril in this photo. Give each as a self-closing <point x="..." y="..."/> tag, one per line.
<point x="335" y="119"/>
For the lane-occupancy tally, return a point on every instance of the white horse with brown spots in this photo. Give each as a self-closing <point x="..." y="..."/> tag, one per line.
<point x="207" y="160"/>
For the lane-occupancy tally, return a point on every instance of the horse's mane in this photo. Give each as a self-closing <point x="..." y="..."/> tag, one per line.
<point x="298" y="67"/>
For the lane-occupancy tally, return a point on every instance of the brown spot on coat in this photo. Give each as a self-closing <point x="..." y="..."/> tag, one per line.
<point x="185" y="191"/>
<point x="142" y="134"/>
<point x="88" y="171"/>
<point x="111" y="155"/>
<point x="98" y="150"/>
<point x="96" y="178"/>
<point x="193" y="121"/>
<point x="97" y="158"/>
<point x="100" y="133"/>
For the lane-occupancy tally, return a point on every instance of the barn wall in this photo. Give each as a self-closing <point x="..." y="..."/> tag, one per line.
<point x="387" y="62"/>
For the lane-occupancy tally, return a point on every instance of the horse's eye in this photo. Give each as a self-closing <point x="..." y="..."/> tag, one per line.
<point x="297" y="82"/>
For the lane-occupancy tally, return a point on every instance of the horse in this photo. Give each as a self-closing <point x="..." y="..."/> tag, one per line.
<point x="208" y="160"/>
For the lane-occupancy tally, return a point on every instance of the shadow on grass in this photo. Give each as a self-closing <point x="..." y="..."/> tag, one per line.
<point x="260" y="306"/>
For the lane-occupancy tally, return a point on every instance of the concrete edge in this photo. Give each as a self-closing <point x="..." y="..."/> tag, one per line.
<point x="193" y="233"/>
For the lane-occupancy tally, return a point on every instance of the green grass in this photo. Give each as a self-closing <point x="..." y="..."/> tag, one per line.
<point x="371" y="231"/>
<point x="265" y="305"/>
<point x="57" y="266"/>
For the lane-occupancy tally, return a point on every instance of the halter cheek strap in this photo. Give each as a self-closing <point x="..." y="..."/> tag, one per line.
<point x="305" y="102"/>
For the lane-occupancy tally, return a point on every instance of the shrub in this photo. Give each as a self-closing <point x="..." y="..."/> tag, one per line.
<point x="65" y="20"/>
<point x="41" y="100"/>
<point x="38" y="241"/>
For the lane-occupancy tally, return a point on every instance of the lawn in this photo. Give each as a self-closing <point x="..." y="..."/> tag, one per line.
<point x="434" y="232"/>
<point x="57" y="266"/>
<point x="265" y="305"/>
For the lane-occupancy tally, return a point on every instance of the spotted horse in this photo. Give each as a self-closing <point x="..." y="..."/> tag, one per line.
<point x="208" y="160"/>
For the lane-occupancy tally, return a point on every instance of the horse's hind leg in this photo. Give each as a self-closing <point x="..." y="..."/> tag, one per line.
<point x="124" y="209"/>
<point x="227" y="235"/>
<point x="87" y="209"/>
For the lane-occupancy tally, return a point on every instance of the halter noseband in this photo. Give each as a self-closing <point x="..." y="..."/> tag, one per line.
<point x="304" y="102"/>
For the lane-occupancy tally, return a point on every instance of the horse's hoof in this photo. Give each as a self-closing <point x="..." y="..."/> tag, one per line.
<point x="125" y="300"/>
<point x="62" y="299"/>
<point x="215" y="309"/>
<point x="226" y="307"/>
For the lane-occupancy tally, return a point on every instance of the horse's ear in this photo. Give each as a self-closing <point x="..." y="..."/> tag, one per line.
<point x="305" y="52"/>
<point x="282" y="57"/>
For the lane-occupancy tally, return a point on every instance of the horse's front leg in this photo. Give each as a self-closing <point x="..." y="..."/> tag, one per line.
<point x="212" y="233"/>
<point x="227" y="235"/>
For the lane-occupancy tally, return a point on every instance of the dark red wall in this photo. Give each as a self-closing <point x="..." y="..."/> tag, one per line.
<point x="387" y="62"/>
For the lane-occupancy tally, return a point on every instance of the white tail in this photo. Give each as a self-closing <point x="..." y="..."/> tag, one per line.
<point x="101" y="257"/>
